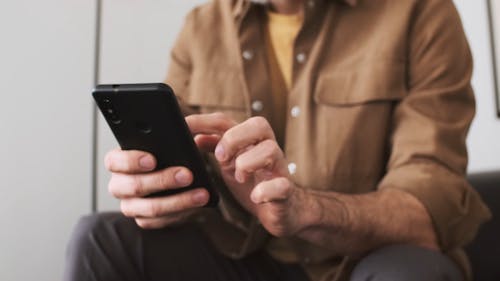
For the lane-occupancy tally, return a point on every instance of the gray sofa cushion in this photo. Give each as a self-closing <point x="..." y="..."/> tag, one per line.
<point x="484" y="251"/>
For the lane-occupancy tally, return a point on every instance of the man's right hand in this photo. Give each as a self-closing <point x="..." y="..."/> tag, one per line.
<point x="132" y="178"/>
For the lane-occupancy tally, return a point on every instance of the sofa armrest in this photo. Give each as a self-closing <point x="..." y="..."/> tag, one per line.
<point x="484" y="251"/>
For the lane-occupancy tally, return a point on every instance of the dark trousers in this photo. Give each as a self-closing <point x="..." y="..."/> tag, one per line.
<point x="110" y="247"/>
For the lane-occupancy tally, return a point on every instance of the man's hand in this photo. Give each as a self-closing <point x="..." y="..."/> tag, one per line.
<point x="132" y="178"/>
<point x="255" y="170"/>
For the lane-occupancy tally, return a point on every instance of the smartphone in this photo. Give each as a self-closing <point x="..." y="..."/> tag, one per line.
<point x="147" y="117"/>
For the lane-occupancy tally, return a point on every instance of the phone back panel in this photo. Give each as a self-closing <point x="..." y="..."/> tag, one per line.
<point x="147" y="117"/>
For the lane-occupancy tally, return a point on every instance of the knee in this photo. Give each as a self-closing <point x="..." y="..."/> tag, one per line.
<point x="88" y="230"/>
<point x="406" y="262"/>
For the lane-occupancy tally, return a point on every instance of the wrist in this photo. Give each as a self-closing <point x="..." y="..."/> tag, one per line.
<point x="325" y="211"/>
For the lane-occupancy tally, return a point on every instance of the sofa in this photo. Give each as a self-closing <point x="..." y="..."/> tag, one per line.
<point x="484" y="251"/>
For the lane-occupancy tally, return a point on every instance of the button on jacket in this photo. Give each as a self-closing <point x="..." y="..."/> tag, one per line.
<point x="380" y="98"/>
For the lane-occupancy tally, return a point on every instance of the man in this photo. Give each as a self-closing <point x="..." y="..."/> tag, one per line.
<point x="339" y="148"/>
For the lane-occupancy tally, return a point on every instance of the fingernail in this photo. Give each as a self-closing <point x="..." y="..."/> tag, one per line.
<point x="254" y="196"/>
<point x="182" y="178"/>
<point x="200" y="197"/>
<point x="219" y="153"/>
<point x="146" y="162"/>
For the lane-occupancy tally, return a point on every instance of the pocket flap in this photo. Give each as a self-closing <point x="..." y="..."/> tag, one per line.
<point x="369" y="83"/>
<point x="216" y="89"/>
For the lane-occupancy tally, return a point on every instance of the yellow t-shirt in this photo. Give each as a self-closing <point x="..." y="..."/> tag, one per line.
<point x="282" y="31"/>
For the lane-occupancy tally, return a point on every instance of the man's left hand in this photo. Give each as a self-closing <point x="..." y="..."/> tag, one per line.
<point x="254" y="168"/>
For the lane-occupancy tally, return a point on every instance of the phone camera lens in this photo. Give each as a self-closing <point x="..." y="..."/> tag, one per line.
<point x="115" y="120"/>
<point x="110" y="112"/>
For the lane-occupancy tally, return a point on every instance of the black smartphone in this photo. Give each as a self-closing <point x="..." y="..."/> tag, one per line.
<point x="147" y="117"/>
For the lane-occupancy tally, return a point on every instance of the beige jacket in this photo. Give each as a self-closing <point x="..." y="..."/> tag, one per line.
<point x="381" y="98"/>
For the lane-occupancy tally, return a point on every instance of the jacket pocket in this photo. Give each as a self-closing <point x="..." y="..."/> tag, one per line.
<point x="352" y="121"/>
<point x="373" y="82"/>
<point x="218" y="91"/>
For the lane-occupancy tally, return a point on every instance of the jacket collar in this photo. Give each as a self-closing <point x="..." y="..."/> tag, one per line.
<point x="349" y="2"/>
<point x="242" y="5"/>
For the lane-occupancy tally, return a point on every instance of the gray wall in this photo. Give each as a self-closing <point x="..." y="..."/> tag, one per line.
<point x="484" y="137"/>
<point x="46" y="73"/>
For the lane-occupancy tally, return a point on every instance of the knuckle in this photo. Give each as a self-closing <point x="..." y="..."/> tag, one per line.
<point x="270" y="148"/>
<point x="117" y="161"/>
<point x="182" y="205"/>
<point x="221" y="120"/>
<point x="273" y="146"/>
<point x="226" y="121"/>
<point x="154" y="210"/>
<point x="108" y="161"/>
<point x="137" y="186"/>
<point x="256" y="121"/>
<point x="112" y="187"/>
<point x="186" y="202"/>
<point x="124" y="208"/>
<point x="284" y="185"/>
<point x="257" y="193"/>
<point x="262" y="123"/>
<point x="239" y="163"/>
<point x="229" y="138"/>
<point x="268" y="161"/>
<point x="165" y="179"/>
<point x="273" y="224"/>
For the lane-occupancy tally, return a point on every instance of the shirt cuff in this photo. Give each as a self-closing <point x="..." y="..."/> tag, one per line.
<point x="455" y="208"/>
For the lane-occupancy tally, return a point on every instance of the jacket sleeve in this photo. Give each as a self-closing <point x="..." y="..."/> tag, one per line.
<point x="180" y="66"/>
<point x="428" y="144"/>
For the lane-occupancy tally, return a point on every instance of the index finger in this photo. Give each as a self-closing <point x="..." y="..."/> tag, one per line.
<point x="208" y="124"/>
<point x="251" y="132"/>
